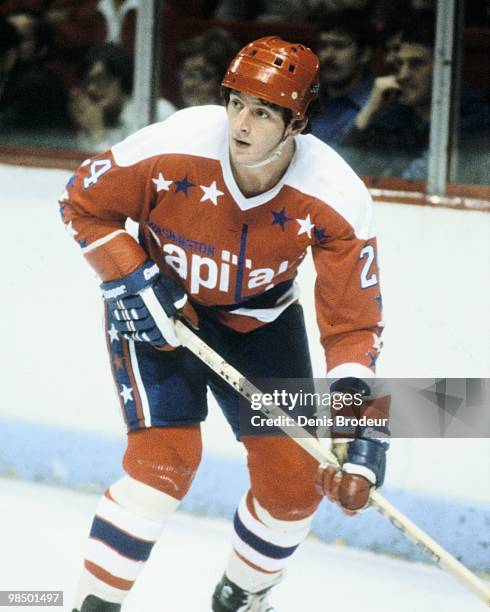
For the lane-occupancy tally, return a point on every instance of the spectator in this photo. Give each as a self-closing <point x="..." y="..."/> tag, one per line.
<point x="103" y="108"/>
<point x="34" y="32"/>
<point x="202" y="61"/>
<point x="32" y="96"/>
<point x="78" y="26"/>
<point x="344" y="49"/>
<point x="392" y="130"/>
<point x="282" y="10"/>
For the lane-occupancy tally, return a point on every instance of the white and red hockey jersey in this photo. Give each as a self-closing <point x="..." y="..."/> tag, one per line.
<point x="234" y="253"/>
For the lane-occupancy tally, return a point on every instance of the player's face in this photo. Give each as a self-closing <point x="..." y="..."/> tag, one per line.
<point x="255" y="128"/>
<point x="414" y="74"/>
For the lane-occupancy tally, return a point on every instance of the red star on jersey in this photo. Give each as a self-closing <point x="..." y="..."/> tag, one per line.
<point x="118" y="362"/>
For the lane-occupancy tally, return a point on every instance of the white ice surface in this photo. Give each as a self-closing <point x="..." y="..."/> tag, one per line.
<point x="43" y="532"/>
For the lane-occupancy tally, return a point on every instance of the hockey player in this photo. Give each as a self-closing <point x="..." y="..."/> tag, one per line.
<point x="228" y="200"/>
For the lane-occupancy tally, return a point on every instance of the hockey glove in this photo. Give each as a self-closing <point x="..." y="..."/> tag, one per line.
<point x="363" y="459"/>
<point x="127" y="300"/>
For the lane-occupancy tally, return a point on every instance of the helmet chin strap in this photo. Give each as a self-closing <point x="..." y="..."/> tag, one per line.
<point x="275" y="154"/>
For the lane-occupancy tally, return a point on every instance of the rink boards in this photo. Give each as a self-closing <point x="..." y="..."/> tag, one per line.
<point x="59" y="415"/>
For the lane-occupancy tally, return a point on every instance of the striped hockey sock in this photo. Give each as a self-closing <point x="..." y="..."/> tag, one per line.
<point x="262" y="545"/>
<point x="128" y="521"/>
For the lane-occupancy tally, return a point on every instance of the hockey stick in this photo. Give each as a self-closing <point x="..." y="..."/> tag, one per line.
<point x="312" y="446"/>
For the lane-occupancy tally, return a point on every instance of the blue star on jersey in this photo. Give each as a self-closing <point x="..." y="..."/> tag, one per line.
<point x="280" y="218"/>
<point x="373" y="357"/>
<point x="184" y="185"/>
<point x="320" y="235"/>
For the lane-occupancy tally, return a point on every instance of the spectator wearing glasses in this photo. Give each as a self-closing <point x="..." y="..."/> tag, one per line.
<point x="344" y="49"/>
<point x="202" y="62"/>
<point x="103" y="108"/>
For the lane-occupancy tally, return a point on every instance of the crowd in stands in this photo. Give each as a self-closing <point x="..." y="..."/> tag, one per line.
<point x="390" y="134"/>
<point x="66" y="75"/>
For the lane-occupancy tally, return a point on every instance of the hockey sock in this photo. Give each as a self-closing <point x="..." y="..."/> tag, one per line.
<point x="262" y="545"/>
<point x="128" y="521"/>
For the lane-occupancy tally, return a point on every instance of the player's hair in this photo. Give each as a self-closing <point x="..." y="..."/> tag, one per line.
<point x="117" y="61"/>
<point x="351" y="22"/>
<point x="287" y="114"/>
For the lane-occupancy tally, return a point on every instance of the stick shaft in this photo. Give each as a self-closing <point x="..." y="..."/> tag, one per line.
<point x="312" y="446"/>
<point x="429" y="546"/>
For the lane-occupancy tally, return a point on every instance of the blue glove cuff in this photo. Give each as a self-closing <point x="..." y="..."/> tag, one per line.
<point x="351" y="385"/>
<point x="132" y="283"/>
<point x="370" y="454"/>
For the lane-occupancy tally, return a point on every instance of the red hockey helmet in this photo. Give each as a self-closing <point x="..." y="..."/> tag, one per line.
<point x="276" y="71"/>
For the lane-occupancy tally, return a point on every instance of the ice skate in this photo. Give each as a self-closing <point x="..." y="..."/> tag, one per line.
<point x="229" y="597"/>
<point x="95" y="604"/>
